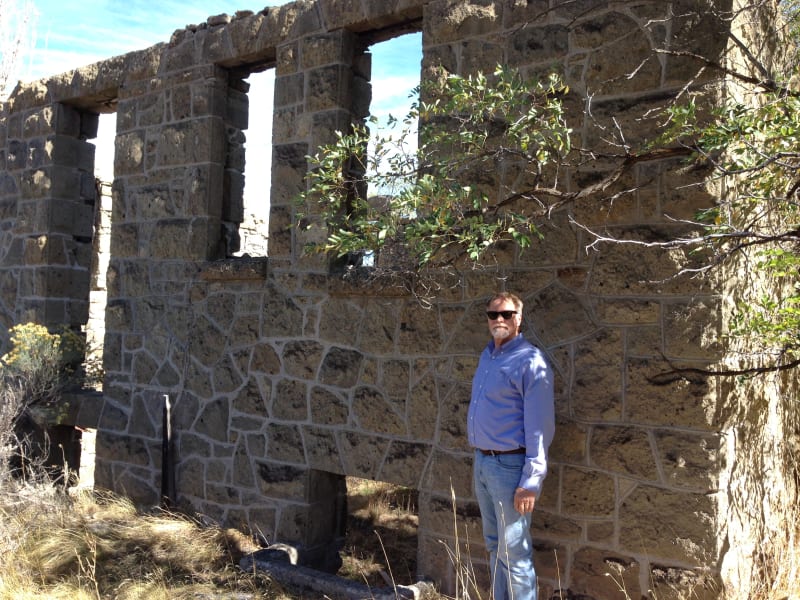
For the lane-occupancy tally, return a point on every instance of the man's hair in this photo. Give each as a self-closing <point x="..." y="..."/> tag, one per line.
<point x="507" y="296"/>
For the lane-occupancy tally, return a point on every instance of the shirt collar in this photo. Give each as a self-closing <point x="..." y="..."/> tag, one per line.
<point x="507" y="346"/>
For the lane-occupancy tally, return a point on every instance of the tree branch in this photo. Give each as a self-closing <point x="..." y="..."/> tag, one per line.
<point x="677" y="373"/>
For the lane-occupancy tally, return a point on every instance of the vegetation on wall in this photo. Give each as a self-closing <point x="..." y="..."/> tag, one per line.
<point x="511" y="140"/>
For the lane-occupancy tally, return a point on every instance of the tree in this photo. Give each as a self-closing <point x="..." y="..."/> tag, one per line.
<point x="473" y="125"/>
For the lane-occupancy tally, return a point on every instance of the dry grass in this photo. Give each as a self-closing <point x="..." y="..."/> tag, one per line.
<point x="57" y="547"/>
<point x="381" y="544"/>
<point x="86" y="546"/>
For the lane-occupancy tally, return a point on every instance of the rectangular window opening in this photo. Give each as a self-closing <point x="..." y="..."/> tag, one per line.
<point x="381" y="538"/>
<point x="248" y="167"/>
<point x="391" y="153"/>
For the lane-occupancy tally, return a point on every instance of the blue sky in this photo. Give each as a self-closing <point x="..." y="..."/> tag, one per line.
<point x="66" y="36"/>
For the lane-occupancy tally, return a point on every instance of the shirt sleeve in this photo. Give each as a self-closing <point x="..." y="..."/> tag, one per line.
<point x="539" y="420"/>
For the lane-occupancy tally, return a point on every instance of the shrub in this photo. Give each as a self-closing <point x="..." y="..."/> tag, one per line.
<point x="34" y="373"/>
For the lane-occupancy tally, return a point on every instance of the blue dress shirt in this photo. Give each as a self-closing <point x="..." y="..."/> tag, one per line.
<point x="512" y="406"/>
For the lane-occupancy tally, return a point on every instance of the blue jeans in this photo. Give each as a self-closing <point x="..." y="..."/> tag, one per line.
<point x="506" y="532"/>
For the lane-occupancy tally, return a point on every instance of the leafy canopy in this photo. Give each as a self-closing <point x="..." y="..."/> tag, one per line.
<point x="470" y="126"/>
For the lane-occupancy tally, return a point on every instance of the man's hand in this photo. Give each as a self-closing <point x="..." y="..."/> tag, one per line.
<point x="524" y="500"/>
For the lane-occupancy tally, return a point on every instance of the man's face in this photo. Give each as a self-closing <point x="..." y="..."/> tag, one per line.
<point x="503" y="329"/>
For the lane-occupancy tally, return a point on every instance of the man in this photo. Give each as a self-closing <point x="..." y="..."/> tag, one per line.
<point x="510" y="424"/>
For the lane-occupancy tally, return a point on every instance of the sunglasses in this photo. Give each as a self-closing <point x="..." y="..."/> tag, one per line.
<point x="507" y="314"/>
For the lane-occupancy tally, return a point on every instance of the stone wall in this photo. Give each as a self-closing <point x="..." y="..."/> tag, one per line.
<point x="285" y="378"/>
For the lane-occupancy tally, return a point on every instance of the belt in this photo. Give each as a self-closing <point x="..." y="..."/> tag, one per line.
<point x="499" y="452"/>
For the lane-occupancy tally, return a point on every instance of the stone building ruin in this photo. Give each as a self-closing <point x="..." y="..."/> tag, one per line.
<point x="285" y="378"/>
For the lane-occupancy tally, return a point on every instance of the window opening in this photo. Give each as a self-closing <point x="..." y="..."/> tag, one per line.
<point x="256" y="165"/>
<point x="395" y="80"/>
<point x="381" y="534"/>
<point x="94" y="329"/>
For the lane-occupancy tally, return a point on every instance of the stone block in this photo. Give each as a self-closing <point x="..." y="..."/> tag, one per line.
<point x="481" y="56"/>
<point x="254" y="36"/>
<point x="125" y="448"/>
<point x="423" y="408"/>
<point x="677" y="401"/>
<point x="321" y="449"/>
<point x="338" y="14"/>
<point x="289" y="90"/>
<point x="280" y="481"/>
<point x="605" y="574"/>
<point x="189" y="142"/>
<point x="448" y="474"/>
<point x="694" y="329"/>
<point x="587" y="493"/>
<point x="289" y="400"/>
<point x="327" y="408"/>
<point x="40" y="122"/>
<point x="571" y="443"/>
<point x="597" y="393"/>
<point x="624" y="450"/>
<point x="340" y="367"/>
<point x="190" y="477"/>
<point x="374" y="413"/>
<point x="442" y="516"/>
<point x="628" y="312"/>
<point x="180" y="238"/>
<point x="288" y="60"/>
<point x="688" y="538"/>
<point x="524" y="11"/>
<point x="690" y="461"/>
<point x="452" y="417"/>
<point x="453" y="21"/>
<point x="404" y="463"/>
<point x="226" y="378"/>
<point x="332" y="88"/>
<point x="362" y="453"/>
<point x="327" y="48"/>
<point x="143" y="368"/>
<point x="18" y="153"/>
<point x="212" y="421"/>
<point x="550" y="560"/>
<point x="129" y="151"/>
<point x="297" y="20"/>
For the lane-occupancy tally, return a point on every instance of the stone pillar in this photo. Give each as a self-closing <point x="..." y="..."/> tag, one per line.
<point x="48" y="195"/>
<point x="168" y="208"/>
<point x="314" y="97"/>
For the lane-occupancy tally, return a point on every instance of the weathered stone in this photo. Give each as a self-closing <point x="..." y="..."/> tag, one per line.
<point x="289" y="401"/>
<point x="226" y="377"/>
<point x="599" y="378"/>
<point x="588" y="493"/>
<point x="281" y="481"/>
<point x="688" y="538"/>
<point x="624" y="450"/>
<point x="362" y="455"/>
<point x="213" y="420"/>
<point x="673" y="400"/>
<point x="374" y="413"/>
<point x="327" y="408"/>
<point x="340" y="367"/>
<point x="404" y="463"/>
<point x="423" y="408"/>
<point x="265" y="359"/>
<point x="285" y="443"/>
<point x="322" y="451"/>
<point x="691" y="461"/>
<point x="694" y="329"/>
<point x="604" y="574"/>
